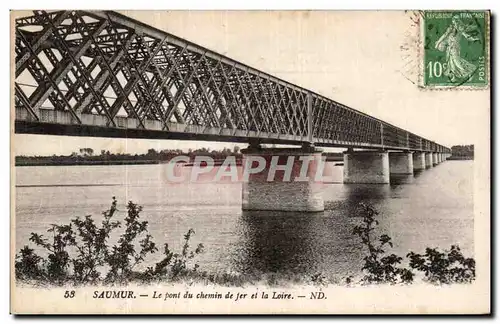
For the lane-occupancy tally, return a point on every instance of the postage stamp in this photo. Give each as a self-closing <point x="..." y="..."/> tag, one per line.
<point x="455" y="49"/>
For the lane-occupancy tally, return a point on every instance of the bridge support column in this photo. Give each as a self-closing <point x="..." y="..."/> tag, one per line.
<point x="435" y="159"/>
<point x="366" y="167"/>
<point x="286" y="180"/>
<point x="401" y="163"/>
<point x="428" y="160"/>
<point x="418" y="161"/>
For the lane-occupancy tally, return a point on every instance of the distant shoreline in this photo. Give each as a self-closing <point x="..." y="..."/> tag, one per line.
<point x="103" y="162"/>
<point x="460" y="158"/>
<point x="145" y="162"/>
<point x="71" y="163"/>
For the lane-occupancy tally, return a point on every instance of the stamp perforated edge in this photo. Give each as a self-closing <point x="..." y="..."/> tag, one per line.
<point x="421" y="68"/>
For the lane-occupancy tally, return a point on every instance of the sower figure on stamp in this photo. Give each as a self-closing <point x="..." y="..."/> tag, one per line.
<point x="456" y="66"/>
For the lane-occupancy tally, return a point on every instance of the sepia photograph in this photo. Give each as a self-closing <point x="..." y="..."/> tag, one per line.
<point x="250" y="162"/>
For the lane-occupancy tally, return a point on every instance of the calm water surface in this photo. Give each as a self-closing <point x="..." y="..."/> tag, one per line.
<point x="431" y="209"/>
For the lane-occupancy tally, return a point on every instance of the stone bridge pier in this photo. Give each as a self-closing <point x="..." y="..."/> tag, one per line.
<point x="282" y="179"/>
<point x="401" y="163"/>
<point x="435" y="160"/>
<point x="376" y="167"/>
<point x="291" y="179"/>
<point x="366" y="167"/>
<point x="418" y="161"/>
<point x="428" y="160"/>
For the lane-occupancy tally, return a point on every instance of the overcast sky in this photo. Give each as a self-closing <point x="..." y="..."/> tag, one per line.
<point x="355" y="58"/>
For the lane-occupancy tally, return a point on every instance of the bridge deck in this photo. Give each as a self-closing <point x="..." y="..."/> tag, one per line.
<point x="103" y="74"/>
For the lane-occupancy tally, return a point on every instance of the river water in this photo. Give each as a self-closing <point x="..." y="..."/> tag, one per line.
<point x="431" y="209"/>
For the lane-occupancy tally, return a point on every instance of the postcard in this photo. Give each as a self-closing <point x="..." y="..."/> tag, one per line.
<point x="250" y="162"/>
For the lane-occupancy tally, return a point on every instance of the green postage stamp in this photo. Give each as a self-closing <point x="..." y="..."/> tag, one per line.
<point x="455" y="49"/>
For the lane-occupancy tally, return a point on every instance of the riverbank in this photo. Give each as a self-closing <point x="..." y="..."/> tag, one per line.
<point x="72" y="162"/>
<point x="104" y="162"/>
<point x="460" y="158"/>
<point x="87" y="162"/>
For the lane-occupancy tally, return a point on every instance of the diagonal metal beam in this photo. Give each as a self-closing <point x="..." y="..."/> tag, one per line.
<point x="180" y="92"/>
<point x="97" y="86"/>
<point x="217" y="93"/>
<point x="36" y="47"/>
<point x="25" y="101"/>
<point x="60" y="71"/>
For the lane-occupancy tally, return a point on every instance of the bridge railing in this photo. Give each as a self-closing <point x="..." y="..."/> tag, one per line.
<point x="107" y="71"/>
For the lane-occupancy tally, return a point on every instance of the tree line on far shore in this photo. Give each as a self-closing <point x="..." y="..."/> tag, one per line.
<point x="462" y="152"/>
<point x="89" y="156"/>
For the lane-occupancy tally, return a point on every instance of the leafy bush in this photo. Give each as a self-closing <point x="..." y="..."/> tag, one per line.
<point x="174" y="265"/>
<point x="318" y="279"/>
<point x="444" y="267"/>
<point x="437" y="267"/>
<point x="379" y="268"/>
<point x="80" y="252"/>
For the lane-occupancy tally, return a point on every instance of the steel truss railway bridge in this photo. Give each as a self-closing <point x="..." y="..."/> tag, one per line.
<point x="100" y="73"/>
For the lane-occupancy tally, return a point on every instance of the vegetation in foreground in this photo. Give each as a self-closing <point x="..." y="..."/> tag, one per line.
<point x="437" y="267"/>
<point x="82" y="252"/>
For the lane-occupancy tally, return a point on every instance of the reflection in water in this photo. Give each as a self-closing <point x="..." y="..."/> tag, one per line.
<point x="277" y="241"/>
<point x="357" y="193"/>
<point x="372" y="194"/>
<point x="417" y="173"/>
<point x="401" y="179"/>
<point x="285" y="242"/>
<point x="435" y="209"/>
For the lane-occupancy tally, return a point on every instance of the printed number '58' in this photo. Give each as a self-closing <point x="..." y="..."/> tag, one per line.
<point x="69" y="294"/>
